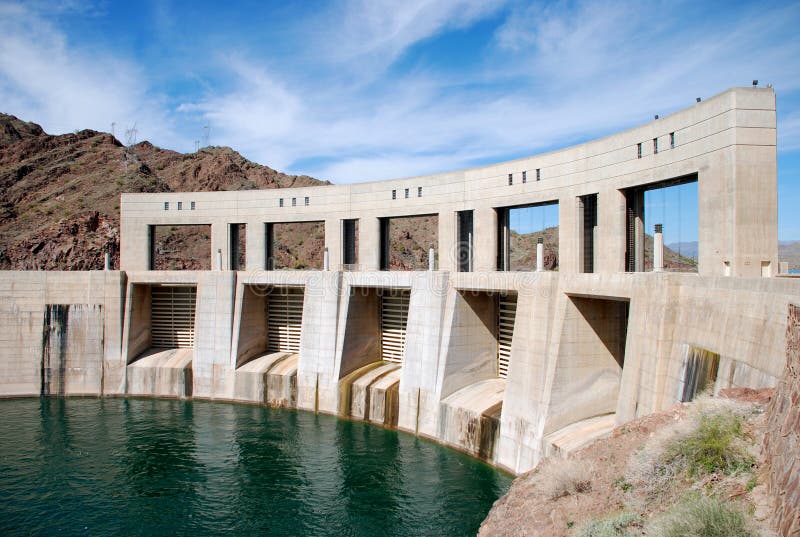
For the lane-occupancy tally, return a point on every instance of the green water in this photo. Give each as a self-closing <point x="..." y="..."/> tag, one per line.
<point x="158" y="467"/>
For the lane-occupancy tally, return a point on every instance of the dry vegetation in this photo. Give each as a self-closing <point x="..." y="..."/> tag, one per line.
<point x="691" y="471"/>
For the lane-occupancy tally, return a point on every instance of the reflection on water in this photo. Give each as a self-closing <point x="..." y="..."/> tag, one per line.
<point x="145" y="467"/>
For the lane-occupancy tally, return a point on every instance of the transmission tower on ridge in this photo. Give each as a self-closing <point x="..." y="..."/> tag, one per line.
<point x="130" y="140"/>
<point x="130" y="135"/>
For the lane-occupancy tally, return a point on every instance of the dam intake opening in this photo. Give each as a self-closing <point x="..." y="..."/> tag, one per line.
<point x="269" y="341"/>
<point x="161" y="328"/>
<point x="372" y="354"/>
<point x="588" y="373"/>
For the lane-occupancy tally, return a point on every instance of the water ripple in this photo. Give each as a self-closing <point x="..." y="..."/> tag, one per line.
<point x="158" y="467"/>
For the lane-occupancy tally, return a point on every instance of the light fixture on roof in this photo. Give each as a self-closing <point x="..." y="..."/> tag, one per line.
<point x="699" y="99"/>
<point x="656" y="117"/>
<point x="755" y="83"/>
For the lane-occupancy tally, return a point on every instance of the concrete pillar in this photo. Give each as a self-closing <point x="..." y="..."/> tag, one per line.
<point x="567" y="235"/>
<point x="639" y="208"/>
<point x="220" y="246"/>
<point x="610" y="237"/>
<point x="212" y="370"/>
<point x="135" y="248"/>
<point x="369" y="243"/>
<point x="448" y="253"/>
<point x="326" y="260"/>
<point x="431" y="258"/>
<point x="540" y="254"/>
<point x="485" y="240"/>
<point x="658" y="249"/>
<point x="107" y="263"/>
<point x="317" y="380"/>
<point x="420" y="391"/>
<point x="255" y="241"/>
<point x="333" y="242"/>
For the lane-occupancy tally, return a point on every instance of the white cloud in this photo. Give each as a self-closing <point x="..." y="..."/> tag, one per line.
<point x="341" y="106"/>
<point x="46" y="79"/>
<point x="366" y="36"/>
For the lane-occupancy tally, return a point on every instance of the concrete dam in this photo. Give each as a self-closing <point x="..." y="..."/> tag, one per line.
<point x="506" y="361"/>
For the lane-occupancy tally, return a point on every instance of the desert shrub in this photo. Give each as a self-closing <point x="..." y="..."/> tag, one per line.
<point x="563" y="477"/>
<point x="715" y="445"/>
<point x="701" y="517"/>
<point x="709" y="441"/>
<point x="617" y="526"/>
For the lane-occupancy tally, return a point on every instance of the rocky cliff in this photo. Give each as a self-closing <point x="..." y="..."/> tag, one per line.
<point x="59" y="195"/>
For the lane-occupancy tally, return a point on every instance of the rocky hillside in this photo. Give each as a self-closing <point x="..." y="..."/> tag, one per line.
<point x="59" y="195"/>
<point x="696" y="469"/>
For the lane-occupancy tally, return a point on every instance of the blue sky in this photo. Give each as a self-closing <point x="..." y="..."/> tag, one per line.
<point x="370" y="89"/>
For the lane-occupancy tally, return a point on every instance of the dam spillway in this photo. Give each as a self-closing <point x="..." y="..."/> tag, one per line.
<point x="510" y="347"/>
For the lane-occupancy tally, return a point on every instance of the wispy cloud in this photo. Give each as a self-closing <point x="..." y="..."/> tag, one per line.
<point x="367" y="36"/>
<point x="46" y="78"/>
<point x="364" y="89"/>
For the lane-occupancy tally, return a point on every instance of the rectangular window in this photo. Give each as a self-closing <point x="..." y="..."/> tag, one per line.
<point x="294" y="202"/>
<point x="394" y="194"/>
<point x="655" y="146"/>
<point x="306" y="201"/>
<point x="166" y="206"/>
<point x="538" y="174"/>
<point x="191" y="206"/>
<point x="672" y="140"/>
<point x="180" y="205"/>
<point x="280" y="202"/>
<point x="406" y="193"/>
<point x="524" y="177"/>
<point x="639" y="150"/>
<point x="510" y="178"/>
<point x="419" y="191"/>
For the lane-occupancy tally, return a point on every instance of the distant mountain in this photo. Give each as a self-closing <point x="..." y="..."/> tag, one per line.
<point x="787" y="251"/>
<point x="686" y="248"/>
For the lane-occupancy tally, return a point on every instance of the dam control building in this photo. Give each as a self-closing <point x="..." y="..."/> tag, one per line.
<point x="509" y="365"/>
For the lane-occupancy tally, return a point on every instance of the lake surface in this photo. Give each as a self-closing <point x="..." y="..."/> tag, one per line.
<point x="162" y="467"/>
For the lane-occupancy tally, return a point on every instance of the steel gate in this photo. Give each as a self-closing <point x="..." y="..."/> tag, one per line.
<point x="284" y="319"/>
<point x="394" y="317"/>
<point x="172" y="317"/>
<point x="506" y="313"/>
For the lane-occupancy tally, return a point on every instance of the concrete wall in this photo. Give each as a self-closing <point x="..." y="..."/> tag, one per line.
<point x="728" y="142"/>
<point x="566" y="362"/>
<point x="60" y="333"/>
